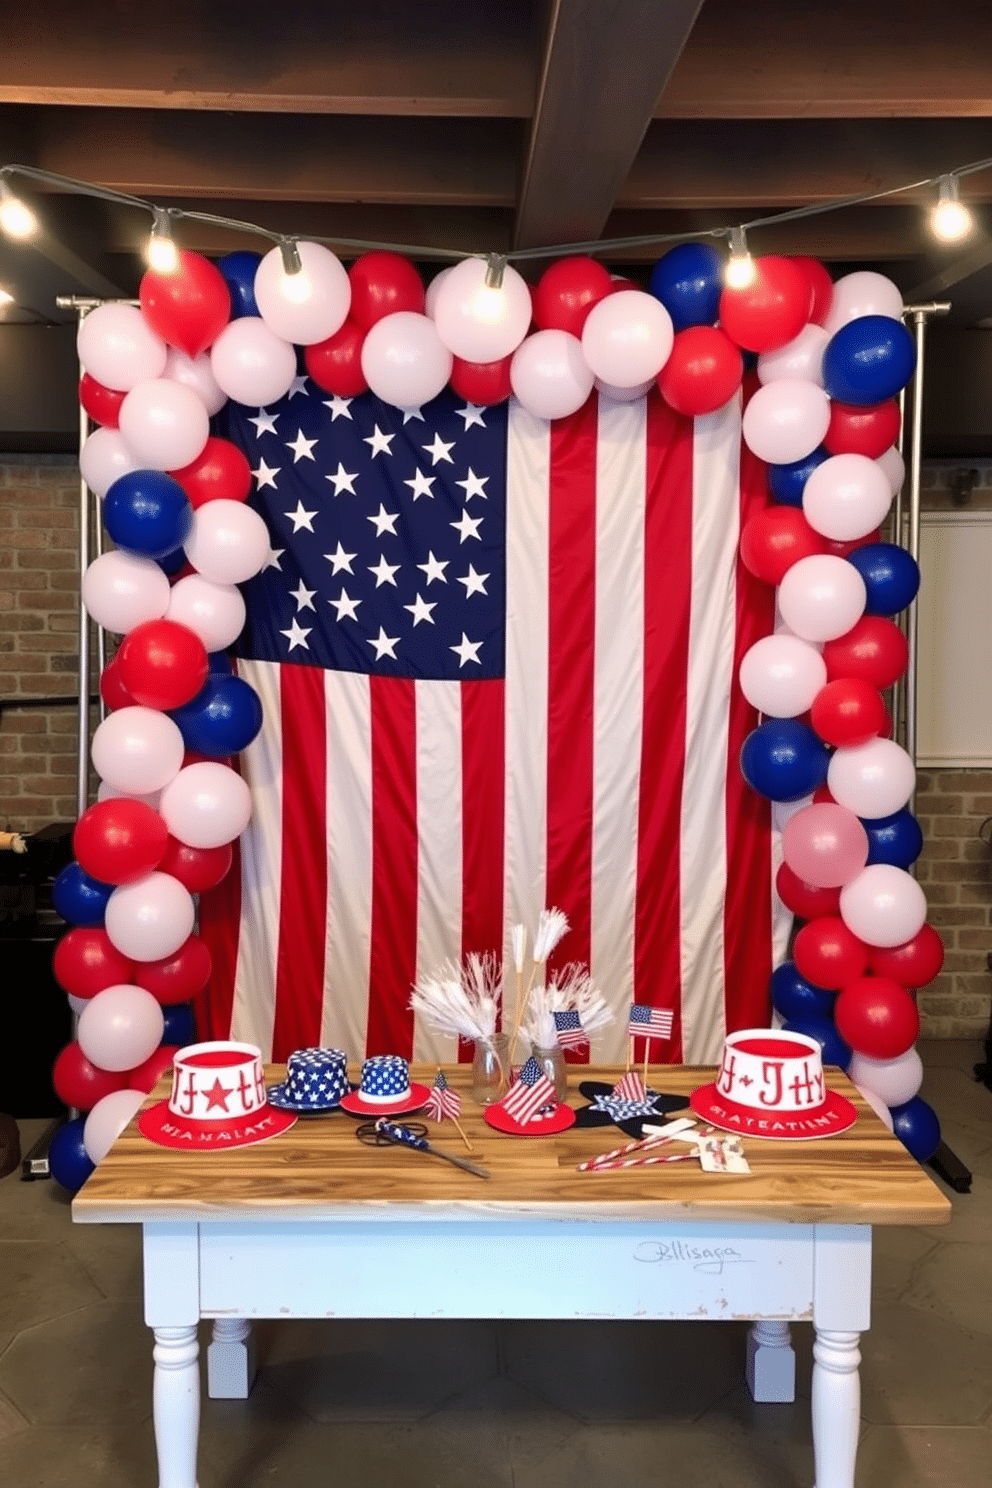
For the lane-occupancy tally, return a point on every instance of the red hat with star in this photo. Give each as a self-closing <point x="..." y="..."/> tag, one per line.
<point x="218" y="1101"/>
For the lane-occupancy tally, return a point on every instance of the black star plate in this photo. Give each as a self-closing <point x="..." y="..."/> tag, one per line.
<point x="634" y="1125"/>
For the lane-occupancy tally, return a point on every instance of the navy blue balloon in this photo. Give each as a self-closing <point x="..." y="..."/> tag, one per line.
<point x="896" y="839"/>
<point x="891" y="575"/>
<point x="784" y="760"/>
<point x="794" y="997"/>
<point x="915" y="1124"/>
<point x="750" y="359"/>
<point x="68" y="1161"/>
<point x="868" y="360"/>
<point x="787" y="482"/>
<point x="833" y="1048"/>
<point x="222" y="719"/>
<point x="180" y="1025"/>
<point x="171" y="563"/>
<point x="219" y="662"/>
<point x="688" y="281"/>
<point x="239" y="271"/>
<point x="78" y="898"/>
<point x="147" y="512"/>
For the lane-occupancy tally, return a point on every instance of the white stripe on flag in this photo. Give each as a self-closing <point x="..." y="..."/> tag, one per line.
<point x="349" y="860"/>
<point x="439" y="835"/>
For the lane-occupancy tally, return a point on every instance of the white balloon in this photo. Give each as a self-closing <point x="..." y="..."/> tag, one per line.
<point x="150" y="919"/>
<point x="206" y="805"/>
<point x="627" y="338"/>
<point x="620" y="394"/>
<point x="228" y="543"/>
<point x="780" y="675"/>
<point x="846" y="497"/>
<point x="883" y="905"/>
<point x="821" y="597"/>
<point x="214" y="612"/>
<point x="786" y="421"/>
<point x="104" y="458"/>
<point x="784" y="811"/>
<point x="782" y="629"/>
<point x="404" y="360"/>
<point x="873" y="779"/>
<point x="799" y="360"/>
<point x="894" y="467"/>
<point x="118" y="347"/>
<point x="137" y="750"/>
<point x="164" y="424"/>
<point x="433" y="289"/>
<point x="121" y="590"/>
<point x="877" y="1104"/>
<point x="120" y="1027"/>
<point x="862" y="293"/>
<point x="107" y="792"/>
<point x="893" y="1081"/>
<point x="196" y="373"/>
<point x="108" y="1119"/>
<point x="251" y="364"/>
<point x="549" y="374"/>
<point x="476" y="322"/>
<point x="308" y="306"/>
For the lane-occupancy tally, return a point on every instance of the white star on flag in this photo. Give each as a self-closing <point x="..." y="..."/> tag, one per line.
<point x="434" y="568"/>
<point x="421" y="484"/>
<point x="473" y="484"/>
<point x="302" y="448"/>
<point x="384" y="645"/>
<point x="345" y="606"/>
<point x="475" y="583"/>
<point x="273" y="559"/>
<point x="298" y="385"/>
<point x="303" y="597"/>
<point x="438" y="450"/>
<point x="303" y="518"/>
<point x="340" y="407"/>
<point x="472" y="414"/>
<point x="296" y="636"/>
<point x="265" y="475"/>
<point x="384" y="572"/>
<point x="265" y="422"/>
<point x="379" y="442"/>
<point x="339" y="560"/>
<point x="343" y="480"/>
<point x="467" y="526"/>
<point x="412" y="413"/>
<point x="384" y="521"/>
<point x="466" y="650"/>
<point x="421" y="610"/>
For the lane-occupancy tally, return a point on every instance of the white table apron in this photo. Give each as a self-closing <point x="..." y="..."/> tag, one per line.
<point x="504" y="1267"/>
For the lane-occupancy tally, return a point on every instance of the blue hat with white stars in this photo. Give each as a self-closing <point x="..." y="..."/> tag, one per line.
<point x="385" y="1080"/>
<point x="316" y="1079"/>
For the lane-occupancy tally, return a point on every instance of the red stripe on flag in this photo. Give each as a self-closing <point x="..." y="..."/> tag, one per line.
<point x="483" y="795"/>
<point x="667" y="592"/>
<point x="393" y="955"/>
<point x="303" y="890"/>
<point x="220" y="925"/>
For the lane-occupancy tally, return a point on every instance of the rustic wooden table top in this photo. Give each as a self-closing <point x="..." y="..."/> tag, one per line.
<point x="319" y="1170"/>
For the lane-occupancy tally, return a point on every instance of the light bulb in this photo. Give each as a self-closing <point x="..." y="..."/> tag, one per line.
<point x="950" y="219"/>
<point x="6" y="298"/>
<point x="740" y="270"/>
<point x="17" y="220"/>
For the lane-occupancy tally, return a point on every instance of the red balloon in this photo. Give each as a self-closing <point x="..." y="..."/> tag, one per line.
<point x="219" y="473"/>
<point x="848" y="711"/>
<point x="827" y="954"/>
<point x="85" y="962"/>
<point x="567" y="291"/>
<point x="336" y="364"/>
<point x="912" y="964"/>
<point x="821" y="794"/>
<point x="877" y="1017"/>
<point x="862" y="431"/>
<point x="197" y="868"/>
<point x="112" y="689"/>
<point x="381" y="284"/>
<point x="145" y="1076"/>
<point x="841" y="549"/>
<point x="769" y="311"/>
<point x="874" y="650"/>
<point x="77" y="1082"/>
<point x="703" y="371"/>
<point x="776" y="538"/>
<point x="120" y="840"/>
<point x="482" y="383"/>
<point x="820" y="283"/>
<point x="162" y="664"/>
<point x="803" y="899"/>
<point x="178" y="977"/>
<point x="103" y="405"/>
<point x="189" y="307"/>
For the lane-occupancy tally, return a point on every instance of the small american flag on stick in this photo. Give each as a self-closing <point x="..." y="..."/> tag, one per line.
<point x="630" y="1088"/>
<point x="649" y="1022"/>
<point x="569" y="1030"/>
<point x="529" y="1093"/>
<point x="443" y="1101"/>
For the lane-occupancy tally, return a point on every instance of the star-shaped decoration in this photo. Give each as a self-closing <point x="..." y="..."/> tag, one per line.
<point x="346" y="607"/>
<point x="421" y="484"/>
<point x="412" y="413"/>
<point x="384" y="572"/>
<point x="438" y="450"/>
<point x="472" y="414"/>
<point x="265" y="475"/>
<point x="303" y="597"/>
<point x="421" y="610"/>
<point x="474" y="485"/>
<point x="467" y="650"/>
<point x="379" y="442"/>
<point x="339" y="560"/>
<point x="273" y="559"/>
<point x="475" y="583"/>
<point x="467" y="526"/>
<point x="298" y="385"/>
<point x="218" y="1095"/>
<point x="296" y="636"/>
<point x="384" y="521"/>
<point x="595" y="1114"/>
<point x="265" y="422"/>
<point x="340" y="407"/>
<point x="343" y="480"/>
<point x="303" y="448"/>
<point x="384" y="645"/>
<point x="302" y="518"/>
<point x="434" y="568"/>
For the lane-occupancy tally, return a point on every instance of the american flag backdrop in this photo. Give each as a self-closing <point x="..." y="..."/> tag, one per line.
<point x="496" y="658"/>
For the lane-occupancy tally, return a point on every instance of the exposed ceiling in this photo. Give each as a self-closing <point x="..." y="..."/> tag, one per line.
<point x="488" y="124"/>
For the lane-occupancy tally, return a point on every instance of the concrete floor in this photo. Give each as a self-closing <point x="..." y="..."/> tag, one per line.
<point x="533" y="1405"/>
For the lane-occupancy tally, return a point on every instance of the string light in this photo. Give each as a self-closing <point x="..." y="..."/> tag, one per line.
<point x="740" y="271"/>
<point x="16" y="219"/>
<point x="161" y="252"/>
<point x="950" y="219"/>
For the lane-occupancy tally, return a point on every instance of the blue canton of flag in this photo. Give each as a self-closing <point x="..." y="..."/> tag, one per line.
<point x="387" y="534"/>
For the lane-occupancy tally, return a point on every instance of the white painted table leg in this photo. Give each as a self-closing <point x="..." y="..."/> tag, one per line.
<point x="771" y="1362"/>
<point x="231" y="1360"/>
<point x="836" y="1407"/>
<point x="176" y="1405"/>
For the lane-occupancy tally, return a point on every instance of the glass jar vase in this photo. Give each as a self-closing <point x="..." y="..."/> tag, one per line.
<point x="552" y="1062"/>
<point x="491" y="1069"/>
